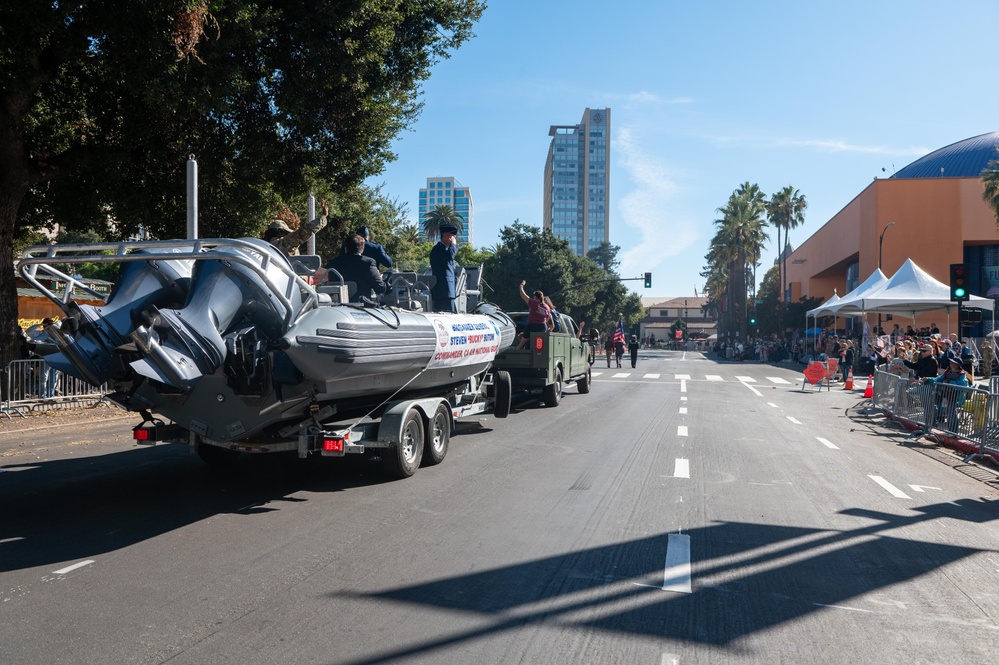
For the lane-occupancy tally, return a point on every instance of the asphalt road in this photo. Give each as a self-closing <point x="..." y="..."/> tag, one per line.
<point x="682" y="512"/>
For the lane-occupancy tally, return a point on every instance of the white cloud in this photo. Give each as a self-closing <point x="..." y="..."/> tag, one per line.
<point x="654" y="235"/>
<point x="823" y="145"/>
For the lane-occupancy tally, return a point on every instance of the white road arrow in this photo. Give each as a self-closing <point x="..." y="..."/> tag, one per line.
<point x="920" y="488"/>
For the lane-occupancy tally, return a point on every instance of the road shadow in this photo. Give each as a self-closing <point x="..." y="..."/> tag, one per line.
<point x="61" y="510"/>
<point x="759" y="576"/>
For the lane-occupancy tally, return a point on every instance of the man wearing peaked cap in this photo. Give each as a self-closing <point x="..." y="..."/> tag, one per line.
<point x="442" y="266"/>
<point x="372" y="250"/>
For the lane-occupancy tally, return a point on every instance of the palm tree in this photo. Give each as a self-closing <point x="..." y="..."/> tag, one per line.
<point x="990" y="178"/>
<point x="740" y="236"/>
<point x="410" y="233"/>
<point x="440" y="216"/>
<point x="785" y="210"/>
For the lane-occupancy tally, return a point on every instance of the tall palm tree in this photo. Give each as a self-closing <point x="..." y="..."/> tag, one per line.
<point x="990" y="178"/>
<point x="440" y="216"/>
<point x="740" y="232"/>
<point x="785" y="210"/>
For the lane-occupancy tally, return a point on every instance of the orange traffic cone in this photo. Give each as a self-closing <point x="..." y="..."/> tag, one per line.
<point x="849" y="380"/>
<point x="869" y="390"/>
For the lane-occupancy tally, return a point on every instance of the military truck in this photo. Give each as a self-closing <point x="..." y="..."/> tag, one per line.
<point x="550" y="360"/>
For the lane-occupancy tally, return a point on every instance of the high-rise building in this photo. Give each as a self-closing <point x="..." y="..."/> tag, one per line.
<point x="577" y="181"/>
<point x="448" y="191"/>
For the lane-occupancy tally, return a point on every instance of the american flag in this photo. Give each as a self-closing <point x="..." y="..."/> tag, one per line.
<point x="619" y="332"/>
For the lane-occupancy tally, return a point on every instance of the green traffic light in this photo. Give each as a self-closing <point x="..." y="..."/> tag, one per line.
<point x="959" y="292"/>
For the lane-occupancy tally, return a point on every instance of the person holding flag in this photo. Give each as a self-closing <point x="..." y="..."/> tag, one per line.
<point x="619" y="342"/>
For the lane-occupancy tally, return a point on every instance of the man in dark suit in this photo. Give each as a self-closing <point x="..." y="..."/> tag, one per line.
<point x="357" y="268"/>
<point x="442" y="267"/>
<point x="372" y="250"/>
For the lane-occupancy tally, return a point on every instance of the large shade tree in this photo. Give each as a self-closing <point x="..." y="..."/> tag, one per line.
<point x="102" y="103"/>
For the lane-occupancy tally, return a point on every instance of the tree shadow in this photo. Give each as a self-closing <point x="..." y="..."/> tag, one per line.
<point x="758" y="576"/>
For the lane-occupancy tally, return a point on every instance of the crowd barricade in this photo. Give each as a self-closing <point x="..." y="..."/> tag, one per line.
<point x="945" y="410"/>
<point x="31" y="384"/>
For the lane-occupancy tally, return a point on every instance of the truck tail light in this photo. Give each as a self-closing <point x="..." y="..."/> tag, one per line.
<point x="142" y="434"/>
<point x="539" y="343"/>
<point x="335" y="444"/>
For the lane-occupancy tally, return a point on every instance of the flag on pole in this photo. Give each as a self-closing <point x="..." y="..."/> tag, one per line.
<point x="619" y="332"/>
<point x="695" y="293"/>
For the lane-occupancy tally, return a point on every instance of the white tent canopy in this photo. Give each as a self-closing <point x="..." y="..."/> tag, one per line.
<point x="823" y="309"/>
<point x="853" y="302"/>
<point x="912" y="290"/>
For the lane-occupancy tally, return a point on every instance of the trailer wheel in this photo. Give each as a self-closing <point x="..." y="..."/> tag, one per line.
<point x="218" y="457"/>
<point x="438" y="436"/>
<point x="553" y="391"/>
<point x="583" y="384"/>
<point x="503" y="390"/>
<point x="403" y="459"/>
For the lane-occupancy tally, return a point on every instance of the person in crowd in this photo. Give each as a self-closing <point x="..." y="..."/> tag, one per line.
<point x="279" y="234"/>
<point x="849" y="355"/>
<point x="948" y="403"/>
<point x="538" y="314"/>
<point x="443" y="268"/>
<point x="988" y="356"/>
<point x="362" y="270"/>
<point x="633" y="350"/>
<point x="372" y="250"/>
<point x="926" y="365"/>
<point x="49" y="377"/>
<point x="609" y="348"/>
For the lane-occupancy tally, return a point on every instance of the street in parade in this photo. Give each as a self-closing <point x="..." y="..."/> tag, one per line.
<point x="275" y="387"/>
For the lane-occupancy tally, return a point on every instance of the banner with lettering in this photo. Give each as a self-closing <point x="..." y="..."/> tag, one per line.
<point x="464" y="339"/>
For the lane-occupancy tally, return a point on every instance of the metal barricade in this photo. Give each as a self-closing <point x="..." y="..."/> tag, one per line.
<point x="32" y="384"/>
<point x="914" y="402"/>
<point x="953" y="410"/>
<point x="885" y="391"/>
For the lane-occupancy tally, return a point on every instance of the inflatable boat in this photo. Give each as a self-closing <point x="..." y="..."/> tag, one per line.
<point x="229" y="340"/>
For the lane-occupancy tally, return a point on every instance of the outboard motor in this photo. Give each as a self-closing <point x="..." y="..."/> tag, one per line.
<point x="182" y="345"/>
<point x="88" y="337"/>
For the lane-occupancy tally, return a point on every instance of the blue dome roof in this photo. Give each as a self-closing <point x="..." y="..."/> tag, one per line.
<point x="964" y="159"/>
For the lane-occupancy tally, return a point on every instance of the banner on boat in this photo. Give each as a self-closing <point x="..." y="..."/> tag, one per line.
<point x="463" y="340"/>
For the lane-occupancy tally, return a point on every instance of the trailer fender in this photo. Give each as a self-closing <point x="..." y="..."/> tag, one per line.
<point x="390" y="428"/>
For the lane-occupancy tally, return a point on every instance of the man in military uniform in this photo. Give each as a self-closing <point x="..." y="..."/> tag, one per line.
<point x="281" y="236"/>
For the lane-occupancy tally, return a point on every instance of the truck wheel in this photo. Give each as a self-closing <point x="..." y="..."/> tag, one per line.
<point x="583" y="384"/>
<point x="553" y="391"/>
<point x="403" y="459"/>
<point x="503" y="394"/>
<point x="217" y="457"/>
<point x="438" y="436"/>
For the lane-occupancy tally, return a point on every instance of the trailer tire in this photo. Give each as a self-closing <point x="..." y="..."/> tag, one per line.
<point x="403" y="459"/>
<point x="502" y="394"/>
<point x="583" y="383"/>
<point x="438" y="436"/>
<point x="220" y="458"/>
<point x="553" y="391"/>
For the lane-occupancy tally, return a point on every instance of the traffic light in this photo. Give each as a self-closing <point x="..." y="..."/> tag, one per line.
<point x="958" y="283"/>
<point x="752" y="317"/>
<point x="648" y="280"/>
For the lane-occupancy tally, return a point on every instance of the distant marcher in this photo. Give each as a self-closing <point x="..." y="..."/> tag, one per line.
<point x="988" y="356"/>
<point x="633" y="349"/>
<point x="443" y="268"/>
<point x="609" y="348"/>
<point x="619" y="350"/>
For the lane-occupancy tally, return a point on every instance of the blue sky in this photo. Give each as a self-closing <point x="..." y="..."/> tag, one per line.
<point x="704" y="96"/>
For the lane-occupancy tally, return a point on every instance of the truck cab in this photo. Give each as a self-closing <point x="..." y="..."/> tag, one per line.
<point x="549" y="360"/>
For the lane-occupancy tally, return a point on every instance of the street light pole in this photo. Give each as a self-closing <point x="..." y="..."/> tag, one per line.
<point x="881" y="241"/>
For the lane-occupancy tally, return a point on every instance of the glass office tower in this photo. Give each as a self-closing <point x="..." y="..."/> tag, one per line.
<point x="448" y="191"/>
<point x="577" y="181"/>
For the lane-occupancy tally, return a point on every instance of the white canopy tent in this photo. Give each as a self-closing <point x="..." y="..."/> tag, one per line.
<point x="912" y="290"/>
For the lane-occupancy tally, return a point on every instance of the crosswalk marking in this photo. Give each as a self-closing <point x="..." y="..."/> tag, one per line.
<point x="713" y="377"/>
<point x="681" y="430"/>
<point x="651" y="376"/>
<point x="681" y="468"/>
<point x="745" y="379"/>
<point x="794" y="420"/>
<point x="683" y="410"/>
<point x="827" y="443"/>
<point x="682" y="376"/>
<point x="596" y="373"/>
<point x="621" y="375"/>
<point x="777" y="379"/>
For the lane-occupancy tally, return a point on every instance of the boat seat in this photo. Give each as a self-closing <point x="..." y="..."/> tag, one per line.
<point x="305" y="264"/>
<point x="427" y="282"/>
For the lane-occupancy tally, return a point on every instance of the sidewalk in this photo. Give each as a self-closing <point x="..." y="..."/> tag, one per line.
<point x="62" y="417"/>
